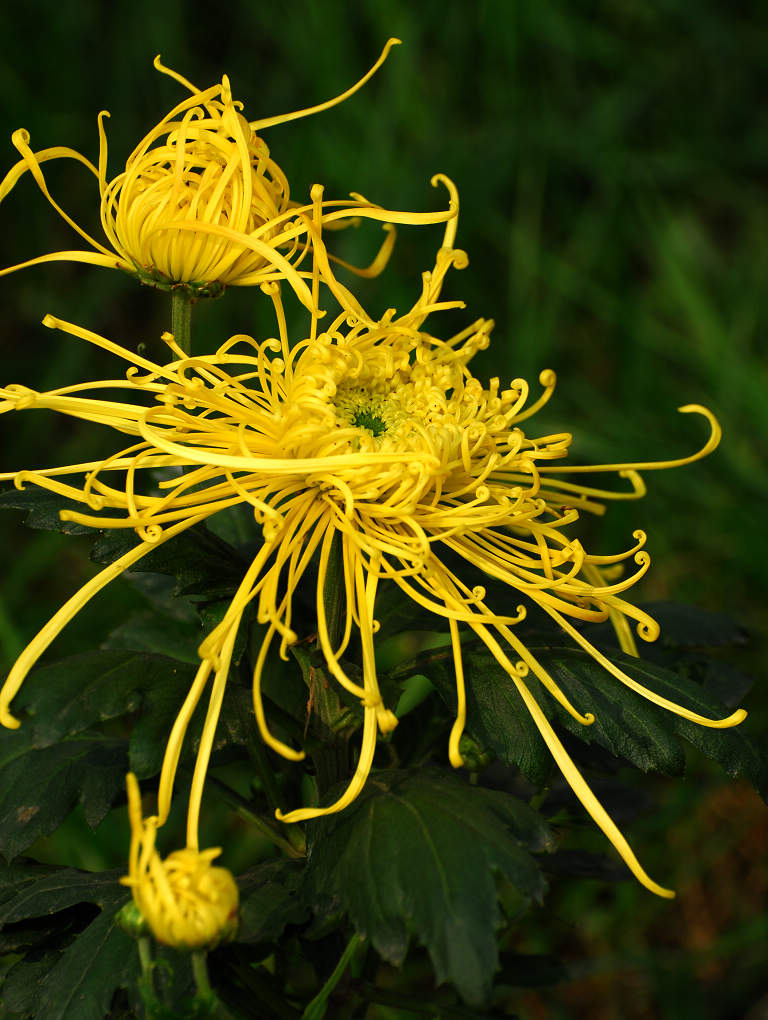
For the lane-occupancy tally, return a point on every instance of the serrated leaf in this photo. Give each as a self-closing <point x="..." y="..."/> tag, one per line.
<point x="626" y="724"/>
<point x="15" y="878"/>
<point x="58" y="758"/>
<point x="201" y="562"/>
<point x="67" y="697"/>
<point x="79" y="982"/>
<point x="42" y="890"/>
<point x="416" y="856"/>
<point x="43" y="509"/>
<point x="731" y="748"/>
<point x="270" y="899"/>
<point x="40" y="786"/>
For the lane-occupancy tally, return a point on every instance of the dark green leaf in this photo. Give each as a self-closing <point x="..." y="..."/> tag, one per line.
<point x="40" y="786"/>
<point x="684" y="626"/>
<point x="416" y="855"/>
<point x="67" y="697"/>
<point x="78" y="982"/>
<point x="720" y="678"/>
<point x="58" y="758"/>
<point x="42" y="890"/>
<point x="43" y="509"/>
<point x="201" y="562"/>
<point x="626" y="724"/>
<point x="40" y="933"/>
<point x="270" y="900"/>
<point x="731" y="748"/>
<point x="212" y="613"/>
<point x="148" y="631"/>
<point x="395" y="613"/>
<point x="14" y="878"/>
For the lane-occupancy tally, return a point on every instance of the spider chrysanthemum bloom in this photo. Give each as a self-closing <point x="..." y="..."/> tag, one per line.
<point x="187" y="902"/>
<point x="201" y="204"/>
<point x="372" y="445"/>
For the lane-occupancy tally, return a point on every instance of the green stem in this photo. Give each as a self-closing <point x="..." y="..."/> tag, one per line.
<point x="200" y="973"/>
<point x="294" y="847"/>
<point x="538" y="798"/>
<point x="145" y="956"/>
<point x="317" y="1007"/>
<point x="181" y="319"/>
<point x="146" y="982"/>
<point x="334" y="592"/>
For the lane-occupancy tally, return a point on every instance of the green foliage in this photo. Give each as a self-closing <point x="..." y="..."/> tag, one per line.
<point x="626" y="724"/>
<point x="43" y="509"/>
<point x="416" y="856"/>
<point x="628" y="253"/>
<point x="66" y="699"/>
<point x="270" y="899"/>
<point x="40" y="786"/>
<point x="200" y="561"/>
<point x="74" y="974"/>
<point x="421" y="862"/>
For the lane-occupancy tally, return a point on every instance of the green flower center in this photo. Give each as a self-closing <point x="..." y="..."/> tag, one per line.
<point x="364" y="418"/>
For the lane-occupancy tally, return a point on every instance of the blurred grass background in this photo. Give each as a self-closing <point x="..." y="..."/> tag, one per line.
<point x="611" y="161"/>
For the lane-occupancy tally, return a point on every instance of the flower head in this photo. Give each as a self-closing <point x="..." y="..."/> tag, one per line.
<point x="201" y="204"/>
<point x="187" y="903"/>
<point x="372" y="438"/>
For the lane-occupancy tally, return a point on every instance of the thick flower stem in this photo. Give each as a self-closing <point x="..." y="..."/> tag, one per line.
<point x="181" y="319"/>
<point x="329" y="722"/>
<point x="334" y="593"/>
<point x="200" y="974"/>
<point x="293" y="846"/>
<point x="316" y="1008"/>
<point x="145" y="956"/>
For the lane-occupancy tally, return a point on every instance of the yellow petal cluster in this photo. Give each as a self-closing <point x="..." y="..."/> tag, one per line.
<point x="186" y="901"/>
<point x="371" y="437"/>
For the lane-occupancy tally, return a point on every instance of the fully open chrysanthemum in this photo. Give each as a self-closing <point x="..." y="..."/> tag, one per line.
<point x="371" y="443"/>
<point x="201" y="204"/>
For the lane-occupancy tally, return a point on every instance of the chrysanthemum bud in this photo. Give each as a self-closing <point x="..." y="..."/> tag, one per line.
<point x="201" y="205"/>
<point x="187" y="903"/>
<point x="200" y="201"/>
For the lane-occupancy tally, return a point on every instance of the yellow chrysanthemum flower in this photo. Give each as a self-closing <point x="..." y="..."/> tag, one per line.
<point x="201" y="204"/>
<point x="374" y="438"/>
<point x="186" y="901"/>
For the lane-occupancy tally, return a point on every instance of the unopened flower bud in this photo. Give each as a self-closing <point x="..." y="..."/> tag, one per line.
<point x="186" y="902"/>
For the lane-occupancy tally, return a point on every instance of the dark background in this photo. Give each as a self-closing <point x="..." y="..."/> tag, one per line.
<point x="611" y="162"/>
